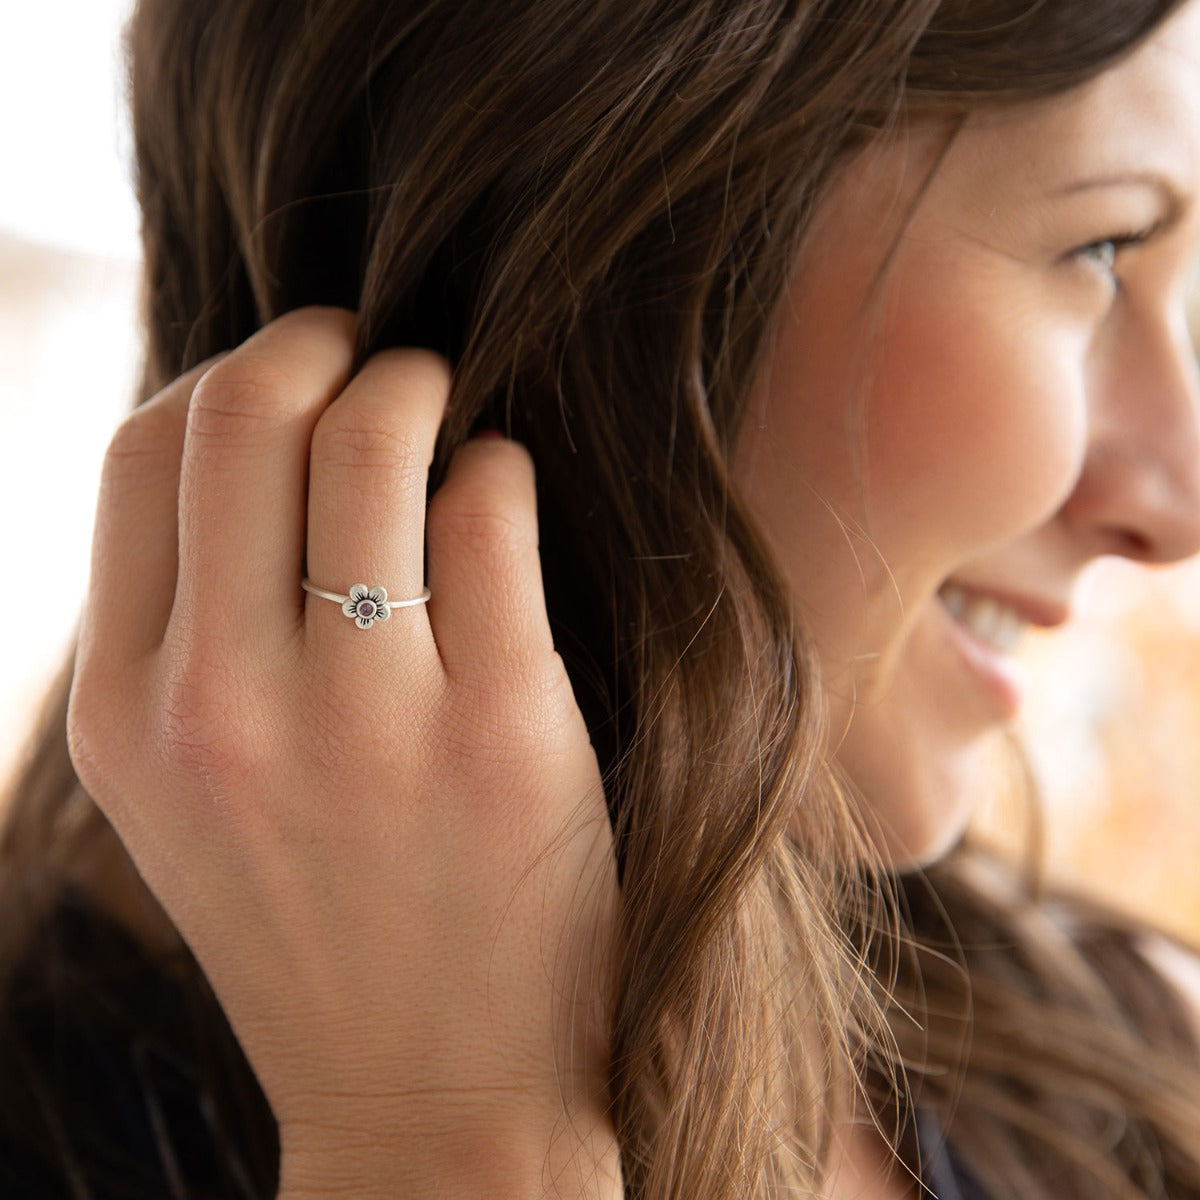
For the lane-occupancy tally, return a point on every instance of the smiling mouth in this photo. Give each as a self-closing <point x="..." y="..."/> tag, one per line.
<point x="985" y="628"/>
<point x="993" y="622"/>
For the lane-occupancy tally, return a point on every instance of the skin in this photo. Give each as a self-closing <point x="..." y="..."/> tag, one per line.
<point x="388" y="848"/>
<point x="439" y="900"/>
<point x="1009" y="405"/>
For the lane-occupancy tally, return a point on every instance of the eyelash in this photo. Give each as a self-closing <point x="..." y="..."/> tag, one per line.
<point x="1118" y="242"/>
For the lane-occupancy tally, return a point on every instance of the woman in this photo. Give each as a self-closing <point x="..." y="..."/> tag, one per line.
<point x="842" y="338"/>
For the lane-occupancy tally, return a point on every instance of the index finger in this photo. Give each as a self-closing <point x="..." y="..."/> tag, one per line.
<point x="134" y="539"/>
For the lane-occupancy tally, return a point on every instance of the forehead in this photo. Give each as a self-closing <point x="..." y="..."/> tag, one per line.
<point x="1142" y="114"/>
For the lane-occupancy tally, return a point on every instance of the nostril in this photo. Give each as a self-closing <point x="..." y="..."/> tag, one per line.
<point x="1134" y="545"/>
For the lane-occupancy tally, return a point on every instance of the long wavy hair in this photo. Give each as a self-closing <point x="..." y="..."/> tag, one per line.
<point x="593" y="209"/>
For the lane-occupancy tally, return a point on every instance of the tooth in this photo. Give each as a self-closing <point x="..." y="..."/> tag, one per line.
<point x="993" y="622"/>
<point x="1008" y="631"/>
<point x="984" y="616"/>
<point x="1016" y="631"/>
<point x="955" y="600"/>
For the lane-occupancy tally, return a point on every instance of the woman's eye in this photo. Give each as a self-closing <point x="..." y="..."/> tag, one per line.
<point x="1103" y="253"/>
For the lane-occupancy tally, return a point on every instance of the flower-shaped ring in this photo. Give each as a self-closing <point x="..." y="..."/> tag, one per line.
<point x="364" y="605"/>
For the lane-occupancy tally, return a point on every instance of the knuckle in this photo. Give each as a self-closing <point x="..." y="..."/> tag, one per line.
<point x="342" y="442"/>
<point x="337" y="747"/>
<point x="204" y="733"/>
<point x="240" y="393"/>
<point x="142" y="437"/>
<point x="90" y="744"/>
<point x="394" y="729"/>
<point x="472" y="522"/>
<point x="519" y="716"/>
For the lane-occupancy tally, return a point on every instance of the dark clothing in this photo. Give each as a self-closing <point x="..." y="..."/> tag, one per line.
<point x="941" y="1172"/>
<point x="118" y="1083"/>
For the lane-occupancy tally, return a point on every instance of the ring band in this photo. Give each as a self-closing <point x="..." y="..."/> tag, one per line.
<point x="365" y="605"/>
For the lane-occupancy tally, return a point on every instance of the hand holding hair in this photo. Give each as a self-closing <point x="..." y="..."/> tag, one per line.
<point x="384" y="839"/>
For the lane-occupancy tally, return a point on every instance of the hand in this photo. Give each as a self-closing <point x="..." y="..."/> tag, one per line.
<point x="387" y="847"/>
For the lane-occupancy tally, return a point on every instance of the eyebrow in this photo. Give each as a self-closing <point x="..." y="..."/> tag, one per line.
<point x="1173" y="198"/>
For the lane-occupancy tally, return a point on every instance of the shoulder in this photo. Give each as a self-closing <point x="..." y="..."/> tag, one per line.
<point x="1179" y="965"/>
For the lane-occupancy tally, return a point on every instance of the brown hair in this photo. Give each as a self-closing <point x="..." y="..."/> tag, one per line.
<point x="593" y="209"/>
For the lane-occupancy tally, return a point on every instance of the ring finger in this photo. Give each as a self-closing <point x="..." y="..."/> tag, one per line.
<point x="368" y="472"/>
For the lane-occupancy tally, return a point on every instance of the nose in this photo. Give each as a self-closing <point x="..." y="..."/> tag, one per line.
<point x="1138" y="494"/>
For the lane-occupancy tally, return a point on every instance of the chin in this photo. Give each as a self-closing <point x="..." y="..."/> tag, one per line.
<point x="918" y="811"/>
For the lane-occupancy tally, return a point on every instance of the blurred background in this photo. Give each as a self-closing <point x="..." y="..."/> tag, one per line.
<point x="1113" y="723"/>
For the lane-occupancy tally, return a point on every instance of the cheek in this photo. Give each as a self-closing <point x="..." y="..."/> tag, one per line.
<point x="975" y="427"/>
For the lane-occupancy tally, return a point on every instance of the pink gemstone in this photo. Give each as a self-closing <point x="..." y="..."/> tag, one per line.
<point x="366" y="608"/>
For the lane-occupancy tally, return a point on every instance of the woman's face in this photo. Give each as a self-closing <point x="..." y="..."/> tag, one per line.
<point x="936" y="457"/>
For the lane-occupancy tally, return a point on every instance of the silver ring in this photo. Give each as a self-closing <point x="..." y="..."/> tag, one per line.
<point x="365" y="605"/>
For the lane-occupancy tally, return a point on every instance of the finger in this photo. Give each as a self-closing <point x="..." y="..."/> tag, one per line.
<point x="244" y="477"/>
<point x="488" y="609"/>
<point x="135" y="553"/>
<point x="368" y="473"/>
